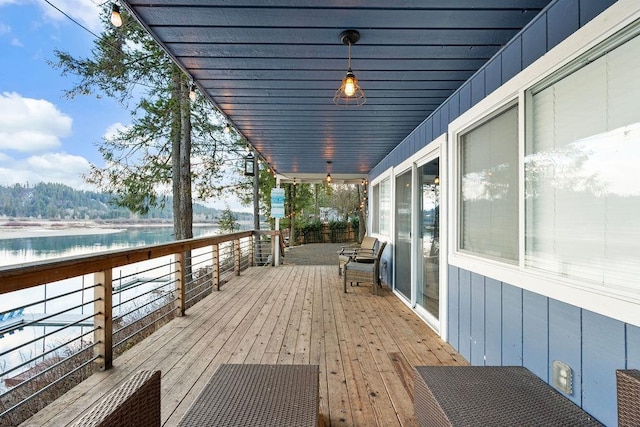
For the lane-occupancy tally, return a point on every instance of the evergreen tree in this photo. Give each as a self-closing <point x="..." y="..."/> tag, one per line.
<point x="167" y="133"/>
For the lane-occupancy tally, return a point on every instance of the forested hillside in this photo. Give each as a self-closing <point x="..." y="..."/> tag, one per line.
<point x="58" y="201"/>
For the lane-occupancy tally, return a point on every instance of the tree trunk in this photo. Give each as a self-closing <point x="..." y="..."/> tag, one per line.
<point x="176" y="129"/>
<point x="186" y="203"/>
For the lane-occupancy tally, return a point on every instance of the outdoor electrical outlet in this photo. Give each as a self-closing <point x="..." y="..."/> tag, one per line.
<point x="562" y="377"/>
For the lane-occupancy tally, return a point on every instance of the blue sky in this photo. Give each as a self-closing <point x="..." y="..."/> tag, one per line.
<point x="45" y="137"/>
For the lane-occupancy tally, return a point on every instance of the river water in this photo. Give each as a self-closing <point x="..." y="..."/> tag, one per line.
<point x="27" y="249"/>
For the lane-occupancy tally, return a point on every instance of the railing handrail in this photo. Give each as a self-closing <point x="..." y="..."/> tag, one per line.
<point x="22" y="276"/>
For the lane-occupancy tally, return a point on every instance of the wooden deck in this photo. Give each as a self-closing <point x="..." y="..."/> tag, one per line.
<point x="364" y="345"/>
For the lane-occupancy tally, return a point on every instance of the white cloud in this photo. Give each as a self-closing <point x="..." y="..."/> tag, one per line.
<point x="15" y="42"/>
<point x="51" y="167"/>
<point x="84" y="11"/>
<point x="28" y="124"/>
<point x="113" y="130"/>
<point x="4" y="28"/>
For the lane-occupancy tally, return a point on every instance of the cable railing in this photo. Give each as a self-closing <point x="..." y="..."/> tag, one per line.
<point x="73" y="316"/>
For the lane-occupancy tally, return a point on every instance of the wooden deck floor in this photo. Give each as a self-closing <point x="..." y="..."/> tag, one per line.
<point x="364" y="345"/>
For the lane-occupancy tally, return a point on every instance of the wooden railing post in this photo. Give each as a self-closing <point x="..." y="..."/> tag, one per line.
<point x="274" y="237"/>
<point x="215" y="274"/>
<point x="236" y="256"/>
<point x="252" y="251"/>
<point x="103" y="308"/>
<point x="181" y="293"/>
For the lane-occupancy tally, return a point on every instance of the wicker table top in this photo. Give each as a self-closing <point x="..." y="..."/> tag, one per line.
<point x="257" y="395"/>
<point x="493" y="396"/>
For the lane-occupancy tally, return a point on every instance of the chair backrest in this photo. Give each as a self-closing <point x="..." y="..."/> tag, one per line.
<point x="380" y="250"/>
<point x="369" y="243"/>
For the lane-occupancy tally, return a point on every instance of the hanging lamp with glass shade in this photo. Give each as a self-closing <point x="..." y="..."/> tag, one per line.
<point x="116" y="18"/>
<point x="349" y="93"/>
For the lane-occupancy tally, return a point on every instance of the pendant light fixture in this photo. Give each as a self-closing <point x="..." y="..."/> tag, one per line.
<point x="116" y="18"/>
<point x="349" y="92"/>
<point x="328" y="178"/>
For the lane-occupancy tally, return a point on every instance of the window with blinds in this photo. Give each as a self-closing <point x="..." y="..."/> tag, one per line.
<point x="488" y="200"/>
<point x="381" y="203"/>
<point x="375" y="212"/>
<point x="385" y="207"/>
<point x="582" y="171"/>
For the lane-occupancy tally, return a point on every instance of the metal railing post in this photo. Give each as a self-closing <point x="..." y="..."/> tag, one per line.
<point x="180" y="284"/>
<point x="103" y="309"/>
<point x="215" y="274"/>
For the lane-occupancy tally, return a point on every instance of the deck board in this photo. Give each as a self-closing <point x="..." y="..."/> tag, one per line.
<point x="365" y="347"/>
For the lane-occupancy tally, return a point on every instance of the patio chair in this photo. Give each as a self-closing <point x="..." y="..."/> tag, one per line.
<point x="361" y="269"/>
<point x="366" y="248"/>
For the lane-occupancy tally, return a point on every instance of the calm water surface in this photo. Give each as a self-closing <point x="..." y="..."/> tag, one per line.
<point x="20" y="250"/>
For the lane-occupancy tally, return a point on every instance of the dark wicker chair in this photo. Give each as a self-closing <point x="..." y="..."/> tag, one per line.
<point x="365" y="269"/>
<point x="134" y="403"/>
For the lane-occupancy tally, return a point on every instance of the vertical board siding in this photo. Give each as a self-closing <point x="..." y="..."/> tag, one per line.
<point x="633" y="347"/>
<point x="477" y="87"/>
<point x="493" y="322"/>
<point x="565" y="334"/>
<point x="534" y="41"/>
<point x="437" y="129"/>
<point x="465" y="97"/>
<point x="464" y="314"/>
<point x="603" y="351"/>
<point x="477" y="320"/>
<point x="511" y="326"/>
<point x="563" y="19"/>
<point x="535" y="330"/>
<point x="453" y="305"/>
<point x="493" y="75"/>
<point x="512" y="59"/>
<point x="589" y="9"/>
<point x="454" y="106"/>
<point x="444" y="117"/>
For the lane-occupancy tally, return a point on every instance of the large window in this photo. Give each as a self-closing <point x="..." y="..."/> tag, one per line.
<point x="489" y="188"/>
<point x="381" y="204"/>
<point x="582" y="173"/>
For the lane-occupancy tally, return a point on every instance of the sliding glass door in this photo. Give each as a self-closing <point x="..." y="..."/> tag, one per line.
<point x="428" y="283"/>
<point x="403" y="235"/>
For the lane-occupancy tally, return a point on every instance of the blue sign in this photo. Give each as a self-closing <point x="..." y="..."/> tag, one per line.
<point x="277" y="203"/>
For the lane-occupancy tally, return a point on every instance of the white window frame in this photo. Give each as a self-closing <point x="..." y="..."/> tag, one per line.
<point x="623" y="305"/>
<point x="386" y="174"/>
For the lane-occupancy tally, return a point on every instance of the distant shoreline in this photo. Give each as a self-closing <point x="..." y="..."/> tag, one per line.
<point x="24" y="228"/>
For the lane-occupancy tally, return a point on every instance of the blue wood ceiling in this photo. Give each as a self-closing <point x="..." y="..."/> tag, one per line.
<point x="272" y="67"/>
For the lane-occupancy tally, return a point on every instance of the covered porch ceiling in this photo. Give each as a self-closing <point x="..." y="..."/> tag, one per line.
<point x="273" y="66"/>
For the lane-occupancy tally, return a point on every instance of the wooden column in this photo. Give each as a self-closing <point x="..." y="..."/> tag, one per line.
<point x="181" y="294"/>
<point x="252" y="252"/>
<point x="215" y="274"/>
<point x="103" y="308"/>
<point x="236" y="256"/>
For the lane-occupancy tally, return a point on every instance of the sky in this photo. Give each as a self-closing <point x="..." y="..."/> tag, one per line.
<point x="45" y="137"/>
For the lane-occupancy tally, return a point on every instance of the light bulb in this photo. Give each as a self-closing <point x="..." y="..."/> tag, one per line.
<point x="116" y="18"/>
<point x="349" y="86"/>
<point x="192" y="93"/>
<point x="329" y="178"/>
<point x="227" y="128"/>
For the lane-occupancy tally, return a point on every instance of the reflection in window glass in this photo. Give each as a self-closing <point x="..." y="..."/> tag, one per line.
<point x="385" y="207"/>
<point x="489" y="188"/>
<point x="581" y="172"/>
